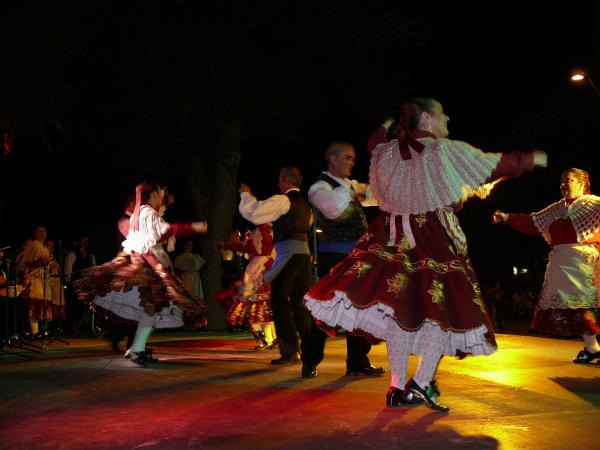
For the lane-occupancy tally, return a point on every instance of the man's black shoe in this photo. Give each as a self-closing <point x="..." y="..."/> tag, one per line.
<point x="286" y="359"/>
<point x="365" y="371"/>
<point x="309" y="371"/>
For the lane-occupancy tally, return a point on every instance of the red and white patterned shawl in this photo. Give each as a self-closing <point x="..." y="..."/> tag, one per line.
<point x="584" y="213"/>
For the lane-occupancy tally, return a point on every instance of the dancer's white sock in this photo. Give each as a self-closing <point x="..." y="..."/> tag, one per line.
<point x="141" y="337"/>
<point x="143" y="332"/>
<point x="398" y="344"/>
<point x="433" y="342"/>
<point x="591" y="343"/>
<point x="269" y="330"/>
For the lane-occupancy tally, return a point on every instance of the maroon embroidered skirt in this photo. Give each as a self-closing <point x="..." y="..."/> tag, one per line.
<point x="431" y="282"/>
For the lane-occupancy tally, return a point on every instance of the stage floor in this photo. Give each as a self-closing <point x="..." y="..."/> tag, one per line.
<point x="214" y="391"/>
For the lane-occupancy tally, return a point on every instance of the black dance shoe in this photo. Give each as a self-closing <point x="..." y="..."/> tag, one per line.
<point x="309" y="371"/>
<point x="148" y="356"/>
<point x="429" y="395"/>
<point x="395" y="397"/>
<point x="585" y="357"/>
<point x="261" y="342"/>
<point x="137" y="358"/>
<point x="368" y="371"/>
<point x="286" y="359"/>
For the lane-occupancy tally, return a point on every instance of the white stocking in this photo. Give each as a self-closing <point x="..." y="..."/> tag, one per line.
<point x="433" y="341"/>
<point x="398" y="344"/>
<point x="591" y="343"/>
<point x="143" y="332"/>
<point x="269" y="330"/>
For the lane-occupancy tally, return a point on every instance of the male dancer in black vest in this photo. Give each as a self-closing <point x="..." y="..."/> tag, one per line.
<point x="341" y="219"/>
<point x="292" y="218"/>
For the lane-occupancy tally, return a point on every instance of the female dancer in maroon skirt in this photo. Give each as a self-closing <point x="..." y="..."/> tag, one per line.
<point x="570" y="297"/>
<point x="409" y="280"/>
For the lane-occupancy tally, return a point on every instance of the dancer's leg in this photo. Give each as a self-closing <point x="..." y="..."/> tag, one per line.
<point x="591" y="343"/>
<point x="34" y="326"/>
<point x="399" y="344"/>
<point x="143" y="332"/>
<point x="433" y="342"/>
<point x="269" y="330"/>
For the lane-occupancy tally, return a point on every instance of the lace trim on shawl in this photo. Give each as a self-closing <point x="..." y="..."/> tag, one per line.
<point x="584" y="213"/>
<point x="447" y="172"/>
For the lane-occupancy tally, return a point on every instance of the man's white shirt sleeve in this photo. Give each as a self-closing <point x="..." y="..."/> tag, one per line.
<point x="330" y="202"/>
<point x="69" y="261"/>
<point x="264" y="211"/>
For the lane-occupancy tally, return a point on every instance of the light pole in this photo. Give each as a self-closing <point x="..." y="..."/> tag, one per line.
<point x="579" y="75"/>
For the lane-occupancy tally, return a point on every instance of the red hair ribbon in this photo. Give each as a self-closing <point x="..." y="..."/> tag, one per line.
<point x="406" y="137"/>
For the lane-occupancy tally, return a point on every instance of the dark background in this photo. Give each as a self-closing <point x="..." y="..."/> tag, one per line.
<point x="99" y="96"/>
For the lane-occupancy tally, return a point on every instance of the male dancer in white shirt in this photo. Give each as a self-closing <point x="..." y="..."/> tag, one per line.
<point x="338" y="203"/>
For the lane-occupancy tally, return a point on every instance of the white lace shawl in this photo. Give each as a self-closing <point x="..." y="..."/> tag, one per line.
<point x="446" y="172"/>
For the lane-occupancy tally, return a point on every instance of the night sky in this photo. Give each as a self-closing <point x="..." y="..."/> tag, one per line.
<point x="98" y="96"/>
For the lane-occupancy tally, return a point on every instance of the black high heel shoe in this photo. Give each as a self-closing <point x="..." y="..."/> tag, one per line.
<point x="429" y="395"/>
<point x="395" y="397"/>
<point x="585" y="357"/>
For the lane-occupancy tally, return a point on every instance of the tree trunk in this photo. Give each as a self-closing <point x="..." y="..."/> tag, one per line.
<point x="221" y="209"/>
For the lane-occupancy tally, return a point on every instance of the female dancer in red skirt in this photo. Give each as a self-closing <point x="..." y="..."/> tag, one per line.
<point x="409" y="280"/>
<point x="570" y="297"/>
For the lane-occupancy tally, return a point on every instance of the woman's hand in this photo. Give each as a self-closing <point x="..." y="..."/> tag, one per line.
<point x="499" y="217"/>
<point x="200" y="227"/>
<point x="540" y="158"/>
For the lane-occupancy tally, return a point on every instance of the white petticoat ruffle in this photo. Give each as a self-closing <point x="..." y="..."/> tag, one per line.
<point x="374" y="320"/>
<point x="127" y="306"/>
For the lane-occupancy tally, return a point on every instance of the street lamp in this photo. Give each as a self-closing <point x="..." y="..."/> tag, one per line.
<point x="579" y="75"/>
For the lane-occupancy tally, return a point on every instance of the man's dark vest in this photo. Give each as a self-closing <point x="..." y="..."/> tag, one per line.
<point x="80" y="264"/>
<point x="295" y="224"/>
<point x="350" y="228"/>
